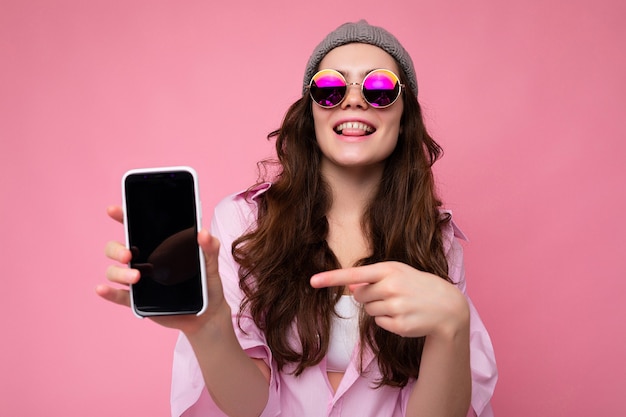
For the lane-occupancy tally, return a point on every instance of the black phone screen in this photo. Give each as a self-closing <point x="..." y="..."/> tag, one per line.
<point x="162" y="231"/>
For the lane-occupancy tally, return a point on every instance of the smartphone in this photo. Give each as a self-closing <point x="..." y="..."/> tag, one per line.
<point x="162" y="216"/>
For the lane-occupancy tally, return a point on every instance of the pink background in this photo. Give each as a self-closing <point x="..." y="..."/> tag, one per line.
<point x="527" y="99"/>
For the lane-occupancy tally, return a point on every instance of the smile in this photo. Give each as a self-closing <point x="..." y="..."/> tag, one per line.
<point x="354" y="128"/>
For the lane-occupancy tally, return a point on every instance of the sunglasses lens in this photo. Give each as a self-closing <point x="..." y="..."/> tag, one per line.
<point x="328" y="88"/>
<point x="381" y="88"/>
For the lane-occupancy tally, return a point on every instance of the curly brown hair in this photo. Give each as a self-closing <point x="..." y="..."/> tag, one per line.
<point x="288" y="245"/>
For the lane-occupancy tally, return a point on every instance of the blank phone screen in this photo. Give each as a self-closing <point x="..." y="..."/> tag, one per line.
<point x="162" y="232"/>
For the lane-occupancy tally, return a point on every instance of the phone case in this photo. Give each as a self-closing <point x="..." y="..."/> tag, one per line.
<point x="198" y="214"/>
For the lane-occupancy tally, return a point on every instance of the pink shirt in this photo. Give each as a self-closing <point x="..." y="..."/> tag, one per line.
<point x="310" y="394"/>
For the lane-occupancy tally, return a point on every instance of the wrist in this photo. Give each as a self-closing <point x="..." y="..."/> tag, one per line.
<point x="216" y="325"/>
<point x="456" y="321"/>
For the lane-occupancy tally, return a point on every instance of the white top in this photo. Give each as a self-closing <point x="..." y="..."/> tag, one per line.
<point x="344" y="334"/>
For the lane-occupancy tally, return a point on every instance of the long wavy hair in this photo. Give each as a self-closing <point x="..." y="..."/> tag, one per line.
<point x="288" y="245"/>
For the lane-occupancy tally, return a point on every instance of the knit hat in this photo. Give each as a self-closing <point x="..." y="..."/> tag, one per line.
<point x="361" y="32"/>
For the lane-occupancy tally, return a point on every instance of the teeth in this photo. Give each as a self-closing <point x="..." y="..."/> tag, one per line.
<point x="354" y="125"/>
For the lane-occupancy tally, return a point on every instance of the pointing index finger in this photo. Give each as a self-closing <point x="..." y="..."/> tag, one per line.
<point x="368" y="274"/>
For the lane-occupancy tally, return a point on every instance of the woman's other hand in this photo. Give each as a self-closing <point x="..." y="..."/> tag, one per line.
<point x="402" y="299"/>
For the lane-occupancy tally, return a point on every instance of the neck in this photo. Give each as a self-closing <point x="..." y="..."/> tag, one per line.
<point x="352" y="189"/>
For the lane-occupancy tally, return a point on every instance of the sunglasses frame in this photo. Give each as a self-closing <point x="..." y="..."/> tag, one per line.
<point x="347" y="84"/>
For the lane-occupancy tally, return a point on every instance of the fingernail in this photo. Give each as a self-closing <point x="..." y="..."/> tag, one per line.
<point x="130" y="275"/>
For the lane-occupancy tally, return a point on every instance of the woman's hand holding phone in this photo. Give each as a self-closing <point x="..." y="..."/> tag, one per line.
<point x="125" y="276"/>
<point x="211" y="333"/>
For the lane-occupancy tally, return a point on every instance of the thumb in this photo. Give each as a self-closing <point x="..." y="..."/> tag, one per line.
<point x="211" y="247"/>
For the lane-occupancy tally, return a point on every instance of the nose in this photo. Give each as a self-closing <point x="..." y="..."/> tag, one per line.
<point x="354" y="98"/>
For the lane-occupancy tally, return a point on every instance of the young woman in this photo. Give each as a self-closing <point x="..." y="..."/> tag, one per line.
<point x="337" y="287"/>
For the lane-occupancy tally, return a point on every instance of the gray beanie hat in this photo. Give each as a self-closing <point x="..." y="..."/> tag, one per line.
<point x="361" y="32"/>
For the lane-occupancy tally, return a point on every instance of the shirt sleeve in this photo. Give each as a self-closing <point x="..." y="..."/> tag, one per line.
<point x="482" y="356"/>
<point x="189" y="397"/>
